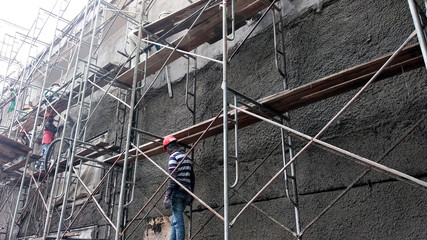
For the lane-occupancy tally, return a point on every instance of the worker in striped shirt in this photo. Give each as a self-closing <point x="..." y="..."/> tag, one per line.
<point x="176" y="197"/>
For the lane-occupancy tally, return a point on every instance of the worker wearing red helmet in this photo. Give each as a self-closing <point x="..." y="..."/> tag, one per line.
<point x="48" y="137"/>
<point x="177" y="198"/>
<point x="26" y="110"/>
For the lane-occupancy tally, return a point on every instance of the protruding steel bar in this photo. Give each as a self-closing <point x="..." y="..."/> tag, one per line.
<point x="281" y="68"/>
<point x="236" y="144"/>
<point x="173" y="51"/>
<point x="94" y="191"/>
<point x="33" y="137"/>
<point x="252" y="30"/>
<point x="166" y="180"/>
<point x="128" y="135"/>
<point x="180" y="184"/>
<point x="235" y="192"/>
<point x="312" y="140"/>
<point x="365" y="162"/>
<point x="94" y="200"/>
<point x="96" y="5"/>
<point x="106" y="92"/>
<point x="39" y="192"/>
<point x="145" y="216"/>
<point x="391" y="148"/>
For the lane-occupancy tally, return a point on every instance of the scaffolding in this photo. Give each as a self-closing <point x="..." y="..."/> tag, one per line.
<point x="74" y="55"/>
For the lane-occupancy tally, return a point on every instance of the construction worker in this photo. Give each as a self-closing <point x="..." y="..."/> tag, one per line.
<point x="27" y="109"/>
<point x="53" y="92"/>
<point x="12" y="101"/>
<point x="176" y="197"/>
<point x="48" y="136"/>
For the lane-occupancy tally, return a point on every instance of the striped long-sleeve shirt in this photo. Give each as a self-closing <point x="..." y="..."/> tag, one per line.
<point x="184" y="174"/>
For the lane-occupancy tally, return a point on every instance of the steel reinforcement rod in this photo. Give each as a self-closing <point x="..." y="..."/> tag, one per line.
<point x="146" y="215"/>
<point x="252" y="30"/>
<point x="130" y="124"/>
<point x="363" y="161"/>
<point x="391" y="148"/>
<point x="180" y="184"/>
<point x="411" y="36"/>
<point x="170" y="55"/>
<point x="39" y="192"/>
<point x="93" y="21"/>
<point x="94" y="200"/>
<point x="235" y="192"/>
<point x="94" y="191"/>
<point x="32" y="141"/>
<point x="166" y="180"/>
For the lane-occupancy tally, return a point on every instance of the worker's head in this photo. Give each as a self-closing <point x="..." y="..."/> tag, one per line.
<point x="26" y="107"/>
<point x="55" y="84"/>
<point x="49" y="117"/>
<point x="167" y="141"/>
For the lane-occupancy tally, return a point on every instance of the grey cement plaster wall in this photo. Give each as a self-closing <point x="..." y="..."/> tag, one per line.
<point x="340" y="35"/>
<point x="318" y="43"/>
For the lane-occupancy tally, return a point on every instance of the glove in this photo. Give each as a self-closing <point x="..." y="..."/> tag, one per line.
<point x="167" y="202"/>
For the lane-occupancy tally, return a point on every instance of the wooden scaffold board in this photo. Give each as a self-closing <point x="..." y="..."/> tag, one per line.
<point x="409" y="59"/>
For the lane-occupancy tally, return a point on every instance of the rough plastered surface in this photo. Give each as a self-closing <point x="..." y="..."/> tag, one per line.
<point x="319" y="43"/>
<point x="322" y="41"/>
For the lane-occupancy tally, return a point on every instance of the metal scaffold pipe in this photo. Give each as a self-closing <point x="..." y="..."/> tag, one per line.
<point x="225" y="117"/>
<point x="33" y="137"/>
<point x="85" y="78"/>
<point x="128" y="134"/>
<point x="419" y="29"/>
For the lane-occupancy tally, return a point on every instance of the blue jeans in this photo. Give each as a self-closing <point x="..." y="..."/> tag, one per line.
<point x="178" y="204"/>
<point x="39" y="164"/>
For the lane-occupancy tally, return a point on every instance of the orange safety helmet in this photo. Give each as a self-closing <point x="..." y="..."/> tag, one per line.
<point x="167" y="140"/>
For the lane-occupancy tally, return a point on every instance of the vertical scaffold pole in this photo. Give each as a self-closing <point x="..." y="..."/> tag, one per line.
<point x="224" y="113"/>
<point x="79" y="119"/>
<point x="281" y="67"/>
<point x="61" y="146"/>
<point x="33" y="136"/>
<point x="419" y="29"/>
<point x="129" y="130"/>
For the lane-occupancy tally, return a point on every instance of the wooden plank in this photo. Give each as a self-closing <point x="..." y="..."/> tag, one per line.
<point x="101" y="152"/>
<point x="315" y="91"/>
<point x="84" y="153"/>
<point x="208" y="28"/>
<point x="10" y="149"/>
<point x="21" y="164"/>
<point x="162" y="25"/>
<point x="91" y="149"/>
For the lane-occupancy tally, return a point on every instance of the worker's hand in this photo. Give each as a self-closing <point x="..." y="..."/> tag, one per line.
<point x="167" y="202"/>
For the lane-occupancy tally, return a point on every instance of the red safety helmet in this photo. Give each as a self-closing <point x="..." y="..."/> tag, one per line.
<point x="27" y="107"/>
<point x="167" y="140"/>
<point x="48" y="115"/>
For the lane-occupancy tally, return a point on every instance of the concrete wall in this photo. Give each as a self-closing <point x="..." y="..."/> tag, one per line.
<point x="324" y="40"/>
